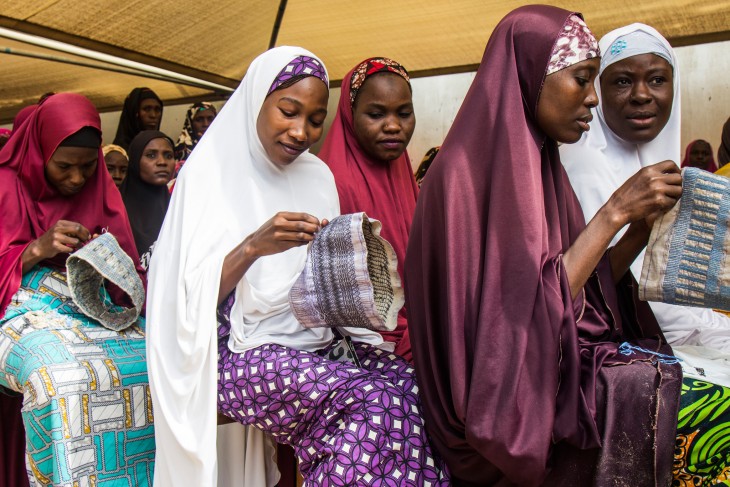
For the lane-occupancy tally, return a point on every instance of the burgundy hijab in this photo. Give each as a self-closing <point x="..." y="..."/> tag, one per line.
<point x="513" y="373"/>
<point x="711" y="166"/>
<point x="386" y="192"/>
<point x="31" y="205"/>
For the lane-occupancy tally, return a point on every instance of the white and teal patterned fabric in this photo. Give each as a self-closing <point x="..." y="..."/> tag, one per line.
<point x="87" y="408"/>
<point x="686" y="259"/>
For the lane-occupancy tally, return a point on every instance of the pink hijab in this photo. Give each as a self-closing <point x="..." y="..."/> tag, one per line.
<point x="386" y="192"/>
<point x="31" y="206"/>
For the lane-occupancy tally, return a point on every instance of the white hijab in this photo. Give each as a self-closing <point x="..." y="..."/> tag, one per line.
<point x="601" y="162"/>
<point x="227" y="190"/>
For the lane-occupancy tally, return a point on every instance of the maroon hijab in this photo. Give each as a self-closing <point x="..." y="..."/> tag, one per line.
<point x="711" y="166"/>
<point x="31" y="206"/>
<point x="386" y="192"/>
<point x="510" y="368"/>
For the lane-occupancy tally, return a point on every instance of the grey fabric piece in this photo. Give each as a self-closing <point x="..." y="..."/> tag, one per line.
<point x="103" y="258"/>
<point x="350" y="278"/>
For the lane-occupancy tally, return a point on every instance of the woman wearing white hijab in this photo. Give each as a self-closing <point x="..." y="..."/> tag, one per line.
<point x="638" y="125"/>
<point x="250" y="199"/>
<point x="602" y="161"/>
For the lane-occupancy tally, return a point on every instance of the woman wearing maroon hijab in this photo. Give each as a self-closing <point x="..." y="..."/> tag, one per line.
<point x="366" y="151"/>
<point x="535" y="364"/>
<point x="55" y="193"/>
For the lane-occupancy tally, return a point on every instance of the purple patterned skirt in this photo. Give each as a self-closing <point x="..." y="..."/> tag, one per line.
<point x="347" y="425"/>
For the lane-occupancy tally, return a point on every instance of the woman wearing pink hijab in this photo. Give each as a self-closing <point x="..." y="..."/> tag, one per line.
<point x="366" y="151"/>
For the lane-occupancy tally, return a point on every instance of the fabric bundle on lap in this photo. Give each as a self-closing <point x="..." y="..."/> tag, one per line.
<point x="350" y="278"/>
<point x="686" y="259"/>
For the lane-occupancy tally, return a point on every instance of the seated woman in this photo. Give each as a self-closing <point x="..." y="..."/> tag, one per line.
<point x="366" y="151"/>
<point x="699" y="154"/>
<point x="639" y="124"/>
<point x="535" y="364"/>
<point x="234" y="242"/>
<point x="87" y="411"/>
<point x="145" y="195"/>
<point x="117" y="163"/>
<point x="142" y="111"/>
<point x="197" y="120"/>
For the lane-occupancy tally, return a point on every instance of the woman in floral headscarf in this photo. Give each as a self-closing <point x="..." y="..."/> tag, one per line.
<point x="366" y="151"/>
<point x="197" y="120"/>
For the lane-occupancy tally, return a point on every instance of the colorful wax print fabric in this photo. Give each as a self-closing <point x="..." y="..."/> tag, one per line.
<point x="702" y="454"/>
<point x="87" y="408"/>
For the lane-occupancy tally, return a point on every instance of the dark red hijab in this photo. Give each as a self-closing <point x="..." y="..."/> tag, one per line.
<point x="711" y="166"/>
<point x="509" y="367"/>
<point x="31" y="206"/>
<point x="386" y="192"/>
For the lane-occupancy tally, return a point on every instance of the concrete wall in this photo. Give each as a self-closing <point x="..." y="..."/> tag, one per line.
<point x="705" y="101"/>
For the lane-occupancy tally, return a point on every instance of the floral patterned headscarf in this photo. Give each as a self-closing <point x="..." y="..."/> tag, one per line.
<point x="188" y="138"/>
<point x="370" y="67"/>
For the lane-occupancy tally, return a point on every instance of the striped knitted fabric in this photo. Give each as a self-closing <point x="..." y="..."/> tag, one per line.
<point x="686" y="259"/>
<point x="350" y="278"/>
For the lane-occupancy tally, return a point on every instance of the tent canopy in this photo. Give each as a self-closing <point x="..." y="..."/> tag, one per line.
<point x="216" y="41"/>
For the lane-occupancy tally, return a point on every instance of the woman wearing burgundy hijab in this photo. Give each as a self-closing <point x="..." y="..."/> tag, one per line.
<point x="55" y="194"/>
<point x="366" y="151"/>
<point x="535" y="364"/>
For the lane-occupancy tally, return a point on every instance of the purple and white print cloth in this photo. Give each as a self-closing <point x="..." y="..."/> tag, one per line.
<point x="300" y="66"/>
<point x="347" y="425"/>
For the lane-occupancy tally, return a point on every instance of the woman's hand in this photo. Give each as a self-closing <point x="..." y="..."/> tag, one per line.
<point x="646" y="195"/>
<point x="284" y="231"/>
<point x="62" y="238"/>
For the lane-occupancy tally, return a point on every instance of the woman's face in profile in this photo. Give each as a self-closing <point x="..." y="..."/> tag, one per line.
<point x="566" y="100"/>
<point x="637" y="95"/>
<point x="291" y="119"/>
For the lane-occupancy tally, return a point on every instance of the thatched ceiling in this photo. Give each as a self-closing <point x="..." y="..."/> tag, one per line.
<point x="216" y="41"/>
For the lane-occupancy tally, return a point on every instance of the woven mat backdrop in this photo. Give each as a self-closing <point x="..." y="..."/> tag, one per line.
<point x="216" y="41"/>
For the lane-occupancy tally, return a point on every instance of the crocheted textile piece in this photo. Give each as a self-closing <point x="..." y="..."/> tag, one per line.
<point x="103" y="258"/>
<point x="350" y="278"/>
<point x="686" y="259"/>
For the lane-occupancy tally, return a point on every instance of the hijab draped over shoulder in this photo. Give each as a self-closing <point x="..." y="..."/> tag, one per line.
<point x="521" y="384"/>
<point x="228" y="189"/>
<point x="31" y="206"/>
<point x="385" y="191"/>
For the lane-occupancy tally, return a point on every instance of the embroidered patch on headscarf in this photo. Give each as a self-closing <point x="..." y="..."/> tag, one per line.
<point x="633" y="44"/>
<point x="370" y="67"/>
<point x="299" y="67"/>
<point x="575" y="43"/>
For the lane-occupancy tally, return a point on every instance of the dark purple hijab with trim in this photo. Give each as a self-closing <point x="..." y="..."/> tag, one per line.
<point x="521" y="385"/>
